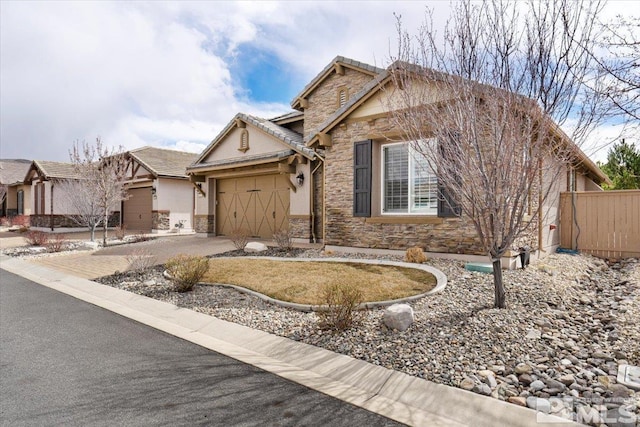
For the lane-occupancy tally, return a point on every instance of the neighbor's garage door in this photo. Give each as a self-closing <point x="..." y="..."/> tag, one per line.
<point x="136" y="212"/>
<point x="258" y="205"/>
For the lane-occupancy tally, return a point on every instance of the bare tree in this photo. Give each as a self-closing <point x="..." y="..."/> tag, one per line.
<point x="83" y="204"/>
<point x="104" y="173"/>
<point x="3" y="193"/>
<point x="618" y="66"/>
<point x="484" y="104"/>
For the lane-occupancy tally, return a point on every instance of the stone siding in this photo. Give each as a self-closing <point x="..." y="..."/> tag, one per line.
<point x="323" y="101"/>
<point x="62" y="221"/>
<point x="450" y="235"/>
<point x="160" y="220"/>
<point x="205" y="224"/>
<point x="300" y="228"/>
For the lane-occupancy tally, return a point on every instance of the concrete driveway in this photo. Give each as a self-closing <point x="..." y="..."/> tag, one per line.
<point x="104" y="262"/>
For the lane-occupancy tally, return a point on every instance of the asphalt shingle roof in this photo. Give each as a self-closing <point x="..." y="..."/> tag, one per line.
<point x="13" y="171"/>
<point x="337" y="59"/>
<point x="164" y="162"/>
<point x="58" y="170"/>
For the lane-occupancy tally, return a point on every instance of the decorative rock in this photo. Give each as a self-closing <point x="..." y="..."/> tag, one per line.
<point x="523" y="368"/>
<point x="537" y="385"/>
<point x="253" y="247"/>
<point x="539" y="404"/>
<point x="555" y="385"/>
<point x="482" y="389"/>
<point x="620" y="391"/>
<point x="567" y="379"/>
<point x="533" y="334"/>
<point x="525" y="379"/>
<point x="517" y="400"/>
<point x="467" y="384"/>
<point x="398" y="316"/>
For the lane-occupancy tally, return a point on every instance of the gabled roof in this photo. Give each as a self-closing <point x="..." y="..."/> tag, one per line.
<point x="362" y="95"/>
<point x="52" y="170"/>
<point x="372" y="87"/>
<point x="13" y="171"/>
<point x="342" y="61"/>
<point x="288" y="137"/>
<point x="163" y="162"/>
<point x="290" y="117"/>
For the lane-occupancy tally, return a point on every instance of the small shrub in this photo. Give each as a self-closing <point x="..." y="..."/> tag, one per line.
<point x="120" y="232"/>
<point x="4" y="221"/>
<point x="239" y="238"/>
<point x="20" y="220"/>
<point x="415" y="255"/>
<point x="341" y="299"/>
<point x="140" y="237"/>
<point x="186" y="271"/>
<point x="283" y="239"/>
<point x="140" y="259"/>
<point x="37" y="238"/>
<point x="23" y="229"/>
<point x="57" y="243"/>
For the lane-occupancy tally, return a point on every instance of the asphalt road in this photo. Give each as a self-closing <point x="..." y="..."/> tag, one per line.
<point x="67" y="362"/>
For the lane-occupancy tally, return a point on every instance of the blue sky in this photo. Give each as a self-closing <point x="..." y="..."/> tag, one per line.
<point x="172" y="74"/>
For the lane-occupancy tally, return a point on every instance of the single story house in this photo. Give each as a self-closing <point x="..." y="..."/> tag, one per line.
<point x="50" y="207"/>
<point x="298" y="172"/>
<point x="160" y="195"/>
<point x="17" y="194"/>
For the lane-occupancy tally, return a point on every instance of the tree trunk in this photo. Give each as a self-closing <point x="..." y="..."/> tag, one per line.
<point x="105" y="224"/>
<point x="500" y="300"/>
<point x="93" y="232"/>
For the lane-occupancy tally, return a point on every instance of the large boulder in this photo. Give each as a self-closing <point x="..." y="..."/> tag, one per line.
<point x="398" y="316"/>
<point x="252" y="247"/>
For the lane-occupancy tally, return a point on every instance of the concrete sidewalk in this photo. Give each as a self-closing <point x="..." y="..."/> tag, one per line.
<point x="389" y="393"/>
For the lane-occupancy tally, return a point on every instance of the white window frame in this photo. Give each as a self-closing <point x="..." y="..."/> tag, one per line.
<point x="412" y="158"/>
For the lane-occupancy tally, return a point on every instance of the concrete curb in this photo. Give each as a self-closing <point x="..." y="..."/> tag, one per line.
<point x="441" y="283"/>
<point x="393" y="394"/>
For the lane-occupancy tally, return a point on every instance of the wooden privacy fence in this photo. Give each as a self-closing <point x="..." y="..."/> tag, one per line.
<point x="603" y="223"/>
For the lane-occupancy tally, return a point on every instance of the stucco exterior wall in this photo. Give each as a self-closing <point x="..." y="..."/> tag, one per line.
<point x="259" y="143"/>
<point x="176" y="197"/>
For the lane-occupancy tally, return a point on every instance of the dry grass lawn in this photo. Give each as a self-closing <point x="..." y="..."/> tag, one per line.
<point x="303" y="281"/>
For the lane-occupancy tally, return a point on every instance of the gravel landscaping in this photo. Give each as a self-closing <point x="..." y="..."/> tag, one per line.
<point x="570" y="321"/>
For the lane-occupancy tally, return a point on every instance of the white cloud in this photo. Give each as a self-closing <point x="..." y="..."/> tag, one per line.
<point x="158" y="73"/>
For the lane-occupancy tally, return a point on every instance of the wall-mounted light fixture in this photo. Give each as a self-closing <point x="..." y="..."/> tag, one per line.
<point x="153" y="192"/>
<point x="300" y="179"/>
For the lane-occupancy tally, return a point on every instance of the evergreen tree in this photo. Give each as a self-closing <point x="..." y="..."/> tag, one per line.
<point x="623" y="166"/>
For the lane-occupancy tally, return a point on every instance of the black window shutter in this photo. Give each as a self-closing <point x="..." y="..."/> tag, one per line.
<point x="362" y="178"/>
<point x="448" y="207"/>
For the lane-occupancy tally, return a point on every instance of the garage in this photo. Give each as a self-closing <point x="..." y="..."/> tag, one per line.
<point x="136" y="210"/>
<point x="258" y="205"/>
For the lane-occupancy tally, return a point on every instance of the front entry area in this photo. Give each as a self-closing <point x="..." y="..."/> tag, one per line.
<point x="257" y="205"/>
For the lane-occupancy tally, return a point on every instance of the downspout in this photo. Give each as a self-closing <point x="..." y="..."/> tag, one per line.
<point x="311" y="202"/>
<point x="540" y="212"/>
<point x="51" y="207"/>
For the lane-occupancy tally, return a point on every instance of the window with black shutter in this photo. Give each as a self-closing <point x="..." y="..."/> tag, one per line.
<point x="362" y="178"/>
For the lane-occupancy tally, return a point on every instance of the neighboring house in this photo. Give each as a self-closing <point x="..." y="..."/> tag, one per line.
<point x="50" y="210"/>
<point x="161" y="197"/>
<point x="18" y="195"/>
<point x="340" y="130"/>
